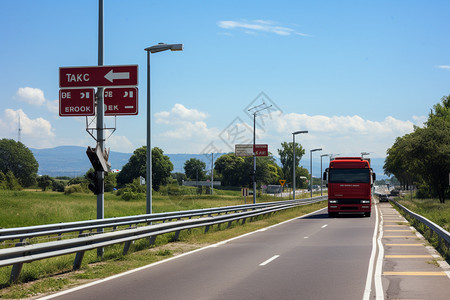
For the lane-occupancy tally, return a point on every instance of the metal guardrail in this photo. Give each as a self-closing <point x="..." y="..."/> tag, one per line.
<point x="442" y="234"/>
<point x="23" y="233"/>
<point x="21" y="254"/>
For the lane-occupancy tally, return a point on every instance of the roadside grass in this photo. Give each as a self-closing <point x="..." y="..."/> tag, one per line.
<point x="433" y="210"/>
<point x="51" y="275"/>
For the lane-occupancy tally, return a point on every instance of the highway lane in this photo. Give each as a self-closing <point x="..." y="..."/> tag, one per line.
<point x="306" y="258"/>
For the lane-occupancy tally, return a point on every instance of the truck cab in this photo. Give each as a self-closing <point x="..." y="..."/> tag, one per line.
<point x="349" y="182"/>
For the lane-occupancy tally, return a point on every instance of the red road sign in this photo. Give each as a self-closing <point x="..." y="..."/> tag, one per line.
<point x="121" y="101"/>
<point x="76" y="102"/>
<point x="261" y="150"/>
<point x="98" y="76"/>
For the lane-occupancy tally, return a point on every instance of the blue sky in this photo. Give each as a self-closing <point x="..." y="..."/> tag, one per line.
<point x="355" y="74"/>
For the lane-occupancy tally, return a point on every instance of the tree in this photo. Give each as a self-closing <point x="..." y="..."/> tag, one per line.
<point x="17" y="158"/>
<point x="161" y="168"/>
<point x="44" y="182"/>
<point x="8" y="181"/>
<point x="179" y="177"/>
<point x="137" y="166"/>
<point x="195" y="169"/>
<point x="231" y="168"/>
<point x="236" y="171"/>
<point x="423" y="156"/>
<point x="287" y="156"/>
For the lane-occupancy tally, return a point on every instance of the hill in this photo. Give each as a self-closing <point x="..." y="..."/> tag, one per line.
<point x="72" y="161"/>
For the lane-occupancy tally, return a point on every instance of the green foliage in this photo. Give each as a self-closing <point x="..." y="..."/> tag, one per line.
<point x="287" y="158"/>
<point x="179" y="177"/>
<point x="423" y="156"/>
<point x="17" y="158"/>
<point x="44" y="182"/>
<point x="132" y="191"/>
<point x="76" y="188"/>
<point x="9" y="182"/>
<point x="136" y="166"/>
<point x="236" y="171"/>
<point x="58" y="186"/>
<point x="195" y="169"/>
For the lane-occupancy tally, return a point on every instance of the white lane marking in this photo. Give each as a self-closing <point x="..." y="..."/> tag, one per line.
<point x="378" y="270"/>
<point x="169" y="259"/>
<point x="306" y="237"/>
<point x="324" y="225"/>
<point x="369" y="278"/>
<point x="269" y="260"/>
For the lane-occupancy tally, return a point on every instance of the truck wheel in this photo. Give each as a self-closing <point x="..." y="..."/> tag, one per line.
<point x="367" y="214"/>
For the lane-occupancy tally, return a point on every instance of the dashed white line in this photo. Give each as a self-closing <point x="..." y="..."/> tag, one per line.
<point x="269" y="260"/>
<point x="324" y="225"/>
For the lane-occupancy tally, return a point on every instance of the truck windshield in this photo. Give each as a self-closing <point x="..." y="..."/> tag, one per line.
<point x="349" y="176"/>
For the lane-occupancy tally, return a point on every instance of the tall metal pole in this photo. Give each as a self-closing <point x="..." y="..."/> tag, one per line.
<point x="310" y="171"/>
<point x="212" y="173"/>
<point x="149" y="143"/>
<point x="254" y="158"/>
<point x="100" y="137"/>
<point x="293" y="167"/>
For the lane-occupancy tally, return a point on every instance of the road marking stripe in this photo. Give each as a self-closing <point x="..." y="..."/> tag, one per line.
<point x="398" y="230"/>
<point x="405" y="245"/>
<point x="414" y="273"/>
<point x="394" y="225"/>
<point x="269" y="260"/>
<point x="324" y="225"/>
<point x="399" y="236"/>
<point x="408" y="256"/>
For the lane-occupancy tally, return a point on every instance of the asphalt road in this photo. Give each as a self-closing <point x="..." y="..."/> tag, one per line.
<point x="307" y="258"/>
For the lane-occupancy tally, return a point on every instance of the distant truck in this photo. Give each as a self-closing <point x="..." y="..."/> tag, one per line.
<point x="350" y="181"/>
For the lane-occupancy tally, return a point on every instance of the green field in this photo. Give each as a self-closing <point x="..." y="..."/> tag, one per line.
<point x="433" y="210"/>
<point x="25" y="208"/>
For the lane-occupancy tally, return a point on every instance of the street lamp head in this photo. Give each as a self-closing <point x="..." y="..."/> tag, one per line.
<point x="301" y="131"/>
<point x="318" y="149"/>
<point x="163" y="47"/>
<point x="325" y="155"/>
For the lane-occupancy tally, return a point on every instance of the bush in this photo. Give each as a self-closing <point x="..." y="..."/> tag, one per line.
<point x="58" y="186"/>
<point x="132" y="191"/>
<point x="76" y="188"/>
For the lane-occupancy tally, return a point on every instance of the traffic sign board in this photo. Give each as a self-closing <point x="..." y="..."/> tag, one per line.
<point x="282" y="181"/>
<point x="98" y="76"/>
<point x="261" y="150"/>
<point x="76" y="102"/>
<point x="121" y="101"/>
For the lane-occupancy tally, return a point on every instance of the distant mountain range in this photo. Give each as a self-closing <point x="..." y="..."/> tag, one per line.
<point x="72" y="161"/>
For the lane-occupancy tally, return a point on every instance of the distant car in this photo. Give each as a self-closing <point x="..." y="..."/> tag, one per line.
<point x="395" y="192"/>
<point x="384" y="198"/>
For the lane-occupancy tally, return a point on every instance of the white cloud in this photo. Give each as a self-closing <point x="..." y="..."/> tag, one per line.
<point x="179" y="113"/>
<point x="252" y="27"/>
<point x="119" y="143"/>
<point x="31" y="96"/>
<point x="444" y="67"/>
<point x="346" y="135"/>
<point x="35" y="133"/>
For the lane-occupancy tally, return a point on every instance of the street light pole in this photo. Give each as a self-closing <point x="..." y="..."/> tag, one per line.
<point x="321" y="177"/>
<point x="310" y="167"/>
<point x="153" y="49"/>
<point x="294" y="165"/>
<point x="254" y="142"/>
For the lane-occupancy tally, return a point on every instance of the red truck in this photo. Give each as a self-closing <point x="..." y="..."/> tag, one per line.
<point x="350" y="181"/>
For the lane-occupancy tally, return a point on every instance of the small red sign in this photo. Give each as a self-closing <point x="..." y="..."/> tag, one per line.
<point x="121" y="101"/>
<point x="98" y="76"/>
<point x="261" y="150"/>
<point x="76" y="102"/>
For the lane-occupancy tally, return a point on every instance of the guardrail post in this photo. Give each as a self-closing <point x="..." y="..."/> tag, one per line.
<point x="177" y="235"/>
<point x="126" y="247"/>
<point x="152" y="239"/>
<point x="78" y="260"/>
<point x="16" y="268"/>
<point x="206" y="228"/>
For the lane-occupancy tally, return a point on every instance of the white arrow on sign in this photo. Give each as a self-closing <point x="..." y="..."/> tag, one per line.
<point x="120" y="75"/>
